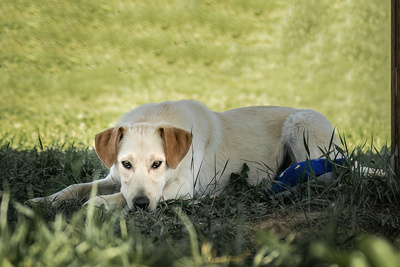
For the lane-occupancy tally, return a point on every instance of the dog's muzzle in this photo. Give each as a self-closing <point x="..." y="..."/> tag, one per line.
<point x="141" y="202"/>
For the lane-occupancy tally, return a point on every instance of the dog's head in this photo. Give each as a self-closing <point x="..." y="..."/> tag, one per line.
<point x="142" y="155"/>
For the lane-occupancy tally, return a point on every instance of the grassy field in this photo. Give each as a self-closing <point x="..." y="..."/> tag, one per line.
<point x="69" y="69"/>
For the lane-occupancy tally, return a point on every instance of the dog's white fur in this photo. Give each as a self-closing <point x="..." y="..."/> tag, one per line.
<point x="198" y="150"/>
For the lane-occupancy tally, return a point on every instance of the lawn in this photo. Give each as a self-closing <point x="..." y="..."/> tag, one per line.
<point x="69" y="69"/>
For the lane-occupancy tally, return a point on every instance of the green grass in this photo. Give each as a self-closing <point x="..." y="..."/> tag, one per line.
<point x="319" y="225"/>
<point x="69" y="69"/>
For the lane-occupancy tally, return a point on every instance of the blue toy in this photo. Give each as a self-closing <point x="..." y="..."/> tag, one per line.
<point x="301" y="172"/>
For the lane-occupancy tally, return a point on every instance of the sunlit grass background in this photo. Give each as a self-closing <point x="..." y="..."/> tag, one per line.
<point x="68" y="69"/>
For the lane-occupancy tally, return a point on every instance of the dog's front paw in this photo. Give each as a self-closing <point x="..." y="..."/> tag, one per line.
<point x="99" y="202"/>
<point x="109" y="202"/>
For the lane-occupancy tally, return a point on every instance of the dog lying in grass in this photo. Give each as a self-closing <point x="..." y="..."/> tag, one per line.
<point x="182" y="149"/>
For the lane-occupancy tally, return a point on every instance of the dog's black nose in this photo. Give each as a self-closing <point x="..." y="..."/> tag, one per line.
<point x="141" y="202"/>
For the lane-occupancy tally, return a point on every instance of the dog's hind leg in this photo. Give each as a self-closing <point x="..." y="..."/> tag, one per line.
<point x="306" y="135"/>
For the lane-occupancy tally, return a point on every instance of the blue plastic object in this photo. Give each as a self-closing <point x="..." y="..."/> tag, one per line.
<point x="301" y="172"/>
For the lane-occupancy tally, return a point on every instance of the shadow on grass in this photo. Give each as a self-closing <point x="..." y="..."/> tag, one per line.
<point x="242" y="226"/>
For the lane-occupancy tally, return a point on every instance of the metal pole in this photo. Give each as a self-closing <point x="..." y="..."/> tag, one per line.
<point x="395" y="87"/>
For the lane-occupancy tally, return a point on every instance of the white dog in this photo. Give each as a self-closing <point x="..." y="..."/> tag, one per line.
<point x="182" y="149"/>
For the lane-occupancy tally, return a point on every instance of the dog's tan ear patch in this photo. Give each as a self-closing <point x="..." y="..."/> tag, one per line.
<point x="106" y="144"/>
<point x="176" y="144"/>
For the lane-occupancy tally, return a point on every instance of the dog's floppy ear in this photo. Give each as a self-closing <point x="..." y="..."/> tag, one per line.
<point x="176" y="144"/>
<point x="106" y="144"/>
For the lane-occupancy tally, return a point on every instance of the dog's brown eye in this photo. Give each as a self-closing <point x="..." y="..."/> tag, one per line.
<point x="126" y="164"/>
<point x="156" y="164"/>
